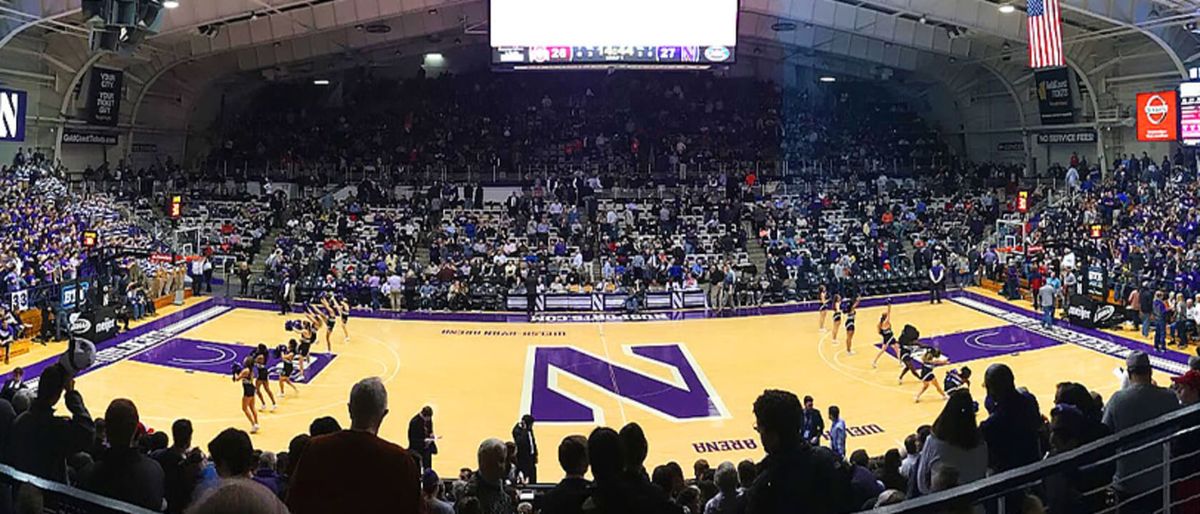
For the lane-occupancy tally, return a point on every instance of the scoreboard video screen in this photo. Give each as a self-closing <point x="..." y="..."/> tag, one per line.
<point x="613" y="32"/>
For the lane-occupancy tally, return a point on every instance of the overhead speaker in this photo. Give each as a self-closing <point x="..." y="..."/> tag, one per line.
<point x="126" y="13"/>
<point x="150" y="14"/>
<point x="95" y="11"/>
<point x="104" y="40"/>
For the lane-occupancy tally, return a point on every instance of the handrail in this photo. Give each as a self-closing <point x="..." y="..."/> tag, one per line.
<point x="82" y="501"/>
<point x="995" y="485"/>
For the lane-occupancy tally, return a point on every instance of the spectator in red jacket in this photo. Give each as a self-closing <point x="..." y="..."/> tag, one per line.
<point x="354" y="470"/>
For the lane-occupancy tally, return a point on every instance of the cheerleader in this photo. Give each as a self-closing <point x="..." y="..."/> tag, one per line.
<point x="851" y="313"/>
<point x="822" y="306"/>
<point x="287" y="354"/>
<point x="308" y="336"/>
<point x="889" y="338"/>
<point x="837" y="315"/>
<point x="245" y="374"/>
<point x="329" y="314"/>
<point x="262" y="377"/>
<point x="958" y="380"/>
<point x="923" y="368"/>
<point x="343" y="306"/>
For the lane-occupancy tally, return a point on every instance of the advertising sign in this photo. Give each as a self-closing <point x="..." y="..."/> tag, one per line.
<point x="1157" y="116"/>
<point x="1053" y="87"/>
<point x="12" y="114"/>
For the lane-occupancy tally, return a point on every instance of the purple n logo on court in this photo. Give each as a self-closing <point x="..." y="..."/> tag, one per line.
<point x="685" y="396"/>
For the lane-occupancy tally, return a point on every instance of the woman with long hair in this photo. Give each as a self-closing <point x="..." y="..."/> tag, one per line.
<point x="822" y="306"/>
<point x="851" y="313"/>
<point x="245" y="373"/>
<point x="262" y="376"/>
<point x="889" y="337"/>
<point x="955" y="441"/>
<point x="286" y="354"/>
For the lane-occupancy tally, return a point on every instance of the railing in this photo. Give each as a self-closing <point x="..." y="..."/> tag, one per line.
<point x="56" y="497"/>
<point x="1173" y="436"/>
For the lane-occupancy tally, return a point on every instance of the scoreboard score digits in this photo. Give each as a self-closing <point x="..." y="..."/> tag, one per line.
<point x="612" y="54"/>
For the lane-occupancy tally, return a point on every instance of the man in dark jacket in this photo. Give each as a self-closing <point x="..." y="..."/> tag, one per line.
<point x="181" y="469"/>
<point x="124" y="473"/>
<point x="40" y="442"/>
<point x="794" y="477"/>
<point x="567" y="497"/>
<point x="527" y="451"/>
<point x="420" y="431"/>
<point x="812" y="424"/>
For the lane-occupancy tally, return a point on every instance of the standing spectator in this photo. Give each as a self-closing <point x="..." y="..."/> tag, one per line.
<point x="837" y="432"/>
<point x="1045" y="298"/>
<point x="1138" y="402"/>
<point x="956" y="441"/>
<point x="1012" y="430"/>
<point x="14" y="383"/>
<point x="123" y="473"/>
<point x="568" y="496"/>
<point x="793" y="474"/>
<point x="531" y="292"/>
<point x="1160" y="322"/>
<point x="180" y="473"/>
<point x="527" y="452"/>
<point x="354" y="470"/>
<point x="420" y="437"/>
<point x="813" y="426"/>
<point x="937" y="281"/>
<point x="487" y="483"/>
<point x="395" y="290"/>
<point x="40" y="442"/>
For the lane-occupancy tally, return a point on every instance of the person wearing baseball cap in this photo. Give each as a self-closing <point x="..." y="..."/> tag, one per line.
<point x="1187" y="387"/>
<point x="1137" y="402"/>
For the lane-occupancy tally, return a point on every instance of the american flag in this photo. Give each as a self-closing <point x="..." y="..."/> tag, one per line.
<point x="1045" y="34"/>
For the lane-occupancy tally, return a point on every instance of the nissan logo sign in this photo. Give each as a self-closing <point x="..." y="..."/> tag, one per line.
<point x="1156" y="109"/>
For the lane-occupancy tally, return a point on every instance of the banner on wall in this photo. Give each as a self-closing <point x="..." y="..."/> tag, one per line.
<point x="80" y="137"/>
<point x="1189" y="113"/>
<point x="1010" y="146"/>
<point x="143" y="148"/>
<point x="1055" y="103"/>
<point x="12" y="114"/>
<point x="104" y="96"/>
<point x="1157" y="116"/>
<point x="1074" y="137"/>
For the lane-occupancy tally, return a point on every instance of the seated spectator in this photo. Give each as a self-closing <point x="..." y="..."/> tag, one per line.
<point x="1140" y="401"/>
<point x="354" y="470"/>
<point x="324" y="425"/>
<point x="122" y="472"/>
<point x="487" y="484"/>
<point x="568" y="496"/>
<point x="1012" y="430"/>
<point x="265" y="473"/>
<point x="240" y="496"/>
<point x="956" y="441"/>
<point x="863" y="484"/>
<point x="431" y="492"/>
<point x="727" y="500"/>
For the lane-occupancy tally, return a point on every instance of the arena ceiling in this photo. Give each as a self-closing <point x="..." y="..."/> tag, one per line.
<point x="969" y="46"/>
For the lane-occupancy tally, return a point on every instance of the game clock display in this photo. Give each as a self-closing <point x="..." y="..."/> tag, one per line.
<point x="552" y="55"/>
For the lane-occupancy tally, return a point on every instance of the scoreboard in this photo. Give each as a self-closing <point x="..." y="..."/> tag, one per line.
<point x="516" y="55"/>
<point x="607" y="32"/>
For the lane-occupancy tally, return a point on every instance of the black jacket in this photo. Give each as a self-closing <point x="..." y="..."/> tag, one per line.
<point x="526" y="443"/>
<point x="417" y="435"/>
<point x="40" y="442"/>
<point x="804" y="479"/>
<point x="567" y="497"/>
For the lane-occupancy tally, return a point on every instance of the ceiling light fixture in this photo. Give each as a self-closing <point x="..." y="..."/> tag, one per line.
<point x="828" y="78"/>
<point x="171" y="4"/>
<point x="321" y="82"/>
<point x="1007" y="9"/>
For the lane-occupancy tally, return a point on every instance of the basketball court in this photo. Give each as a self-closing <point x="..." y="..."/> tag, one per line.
<point x="688" y="379"/>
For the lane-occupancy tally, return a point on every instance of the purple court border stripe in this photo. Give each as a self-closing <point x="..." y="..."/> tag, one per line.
<point x="513" y="317"/>
<point x="34" y="370"/>
<point x="1125" y="342"/>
